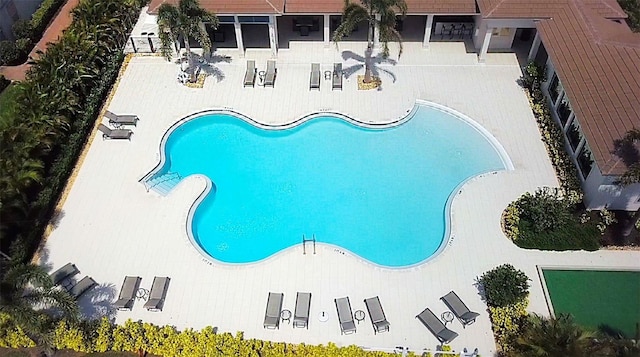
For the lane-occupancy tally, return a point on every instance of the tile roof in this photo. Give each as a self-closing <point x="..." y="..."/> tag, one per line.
<point x="598" y="63"/>
<point x="230" y="7"/>
<point x="544" y="8"/>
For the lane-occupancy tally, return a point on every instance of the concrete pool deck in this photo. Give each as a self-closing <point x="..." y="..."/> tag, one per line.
<point x="110" y="227"/>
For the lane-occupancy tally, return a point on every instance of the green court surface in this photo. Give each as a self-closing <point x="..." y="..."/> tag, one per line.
<point x="595" y="298"/>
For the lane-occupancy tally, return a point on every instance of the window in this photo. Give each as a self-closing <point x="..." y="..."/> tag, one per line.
<point x="253" y="19"/>
<point x="554" y="88"/>
<point x="226" y="19"/>
<point x="585" y="160"/>
<point x="574" y="134"/>
<point x="564" y="110"/>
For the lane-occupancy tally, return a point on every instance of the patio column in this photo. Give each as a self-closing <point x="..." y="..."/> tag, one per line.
<point x="534" y="47"/>
<point x="238" y="29"/>
<point x="485" y="45"/>
<point x="376" y="33"/>
<point x="273" y="35"/>
<point x="327" y="30"/>
<point x="427" y="32"/>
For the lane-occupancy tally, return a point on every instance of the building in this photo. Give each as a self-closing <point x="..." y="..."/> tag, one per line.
<point x="591" y="55"/>
<point x="12" y="11"/>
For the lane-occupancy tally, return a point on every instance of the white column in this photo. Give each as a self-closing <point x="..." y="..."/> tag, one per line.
<point x="273" y="36"/>
<point x="327" y="30"/>
<point x="427" y="32"/>
<point x="238" y="29"/>
<point x="485" y="45"/>
<point x="534" y="47"/>
<point x="376" y="33"/>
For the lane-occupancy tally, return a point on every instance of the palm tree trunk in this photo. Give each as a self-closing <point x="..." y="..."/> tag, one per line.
<point x="369" y="51"/>
<point x="187" y="48"/>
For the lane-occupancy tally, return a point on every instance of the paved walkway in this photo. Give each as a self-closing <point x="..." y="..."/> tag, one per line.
<point x="111" y="227"/>
<point x="51" y="35"/>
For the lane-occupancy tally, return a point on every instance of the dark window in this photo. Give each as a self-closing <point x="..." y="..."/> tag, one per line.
<point x="564" y="110"/>
<point x="574" y="134"/>
<point x="554" y="88"/>
<point x="585" y="160"/>
<point x="226" y="19"/>
<point x="253" y="19"/>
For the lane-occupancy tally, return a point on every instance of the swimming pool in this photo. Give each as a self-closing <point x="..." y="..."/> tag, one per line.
<point x="380" y="193"/>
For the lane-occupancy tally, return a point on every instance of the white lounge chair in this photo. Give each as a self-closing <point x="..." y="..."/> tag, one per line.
<point x="376" y="313"/>
<point x="273" y="311"/>
<point x="108" y="133"/>
<point x="314" y="79"/>
<point x="345" y="316"/>
<point x="115" y="119"/>
<point x="301" y="314"/>
<point x="270" y="75"/>
<point x="250" y="74"/>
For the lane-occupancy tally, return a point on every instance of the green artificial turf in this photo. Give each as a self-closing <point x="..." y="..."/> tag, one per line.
<point x="597" y="298"/>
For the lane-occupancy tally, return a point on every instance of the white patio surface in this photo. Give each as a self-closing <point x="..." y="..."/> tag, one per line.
<point x="111" y="227"/>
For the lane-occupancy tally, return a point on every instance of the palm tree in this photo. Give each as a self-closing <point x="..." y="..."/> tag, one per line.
<point x="187" y="21"/>
<point x="632" y="175"/>
<point x="378" y="13"/>
<point x="27" y="295"/>
<point x="558" y="336"/>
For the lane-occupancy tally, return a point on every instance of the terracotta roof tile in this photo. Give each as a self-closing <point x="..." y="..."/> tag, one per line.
<point x="255" y="7"/>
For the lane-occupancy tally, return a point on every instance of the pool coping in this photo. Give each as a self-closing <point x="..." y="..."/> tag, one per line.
<point x="447" y="237"/>
<point x="543" y="282"/>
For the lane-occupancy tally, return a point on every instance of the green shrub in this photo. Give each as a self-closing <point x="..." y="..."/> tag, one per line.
<point x="632" y="9"/>
<point x="9" y="54"/>
<point x="12" y="336"/>
<point x="4" y="83"/>
<point x="43" y="15"/>
<point x="547" y="220"/>
<point x="22" y="29"/>
<point x="507" y="323"/>
<point x="504" y="286"/>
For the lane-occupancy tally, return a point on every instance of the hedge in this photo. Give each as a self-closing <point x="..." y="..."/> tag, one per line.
<point x="43" y="15"/>
<point x="4" y="83"/>
<point x="551" y="133"/>
<point x="102" y="336"/>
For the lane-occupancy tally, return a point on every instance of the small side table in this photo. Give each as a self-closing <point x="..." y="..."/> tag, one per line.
<point x="285" y="315"/>
<point x="261" y="76"/>
<point x="327" y="75"/>
<point x="323" y="316"/>
<point x="447" y="317"/>
<point x="359" y="315"/>
<point x="142" y="294"/>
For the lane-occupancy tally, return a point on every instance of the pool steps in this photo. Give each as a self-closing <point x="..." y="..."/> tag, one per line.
<point x="162" y="185"/>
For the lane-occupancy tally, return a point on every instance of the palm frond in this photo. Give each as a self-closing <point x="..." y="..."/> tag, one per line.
<point x="352" y="15"/>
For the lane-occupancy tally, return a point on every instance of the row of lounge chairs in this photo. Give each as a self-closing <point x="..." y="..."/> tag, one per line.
<point x="118" y="121"/>
<point x="130" y="288"/>
<point x="439" y="329"/>
<point x="274" y="313"/>
<point x="62" y="277"/>
<point x="336" y="76"/>
<point x="269" y="76"/>
<point x="269" y="79"/>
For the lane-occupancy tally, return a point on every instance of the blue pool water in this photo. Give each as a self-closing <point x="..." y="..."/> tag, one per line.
<point x="379" y="193"/>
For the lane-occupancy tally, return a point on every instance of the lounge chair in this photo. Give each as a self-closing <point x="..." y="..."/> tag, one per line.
<point x="157" y="294"/>
<point x="376" y="313"/>
<point x="301" y="314"/>
<point x="462" y="312"/>
<point x="270" y="75"/>
<point x="273" y="311"/>
<point x="345" y="316"/>
<point x="336" y="80"/>
<point x="128" y="293"/>
<point x="250" y="74"/>
<point x="87" y="283"/>
<point x="108" y="133"/>
<point x="115" y="119"/>
<point x="64" y="273"/>
<point x="437" y="328"/>
<point x="314" y="80"/>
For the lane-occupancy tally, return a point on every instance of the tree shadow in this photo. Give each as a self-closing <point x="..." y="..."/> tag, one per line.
<point x="56" y="217"/>
<point x="206" y="64"/>
<point x="611" y="331"/>
<point x="374" y="63"/>
<point x="627" y="150"/>
<point x="98" y="302"/>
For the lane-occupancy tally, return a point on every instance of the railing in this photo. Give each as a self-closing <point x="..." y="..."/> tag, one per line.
<point x="304" y="243"/>
<point x="164" y="178"/>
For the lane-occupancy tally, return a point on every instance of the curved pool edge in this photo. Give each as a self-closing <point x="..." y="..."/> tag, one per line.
<point x="504" y="157"/>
